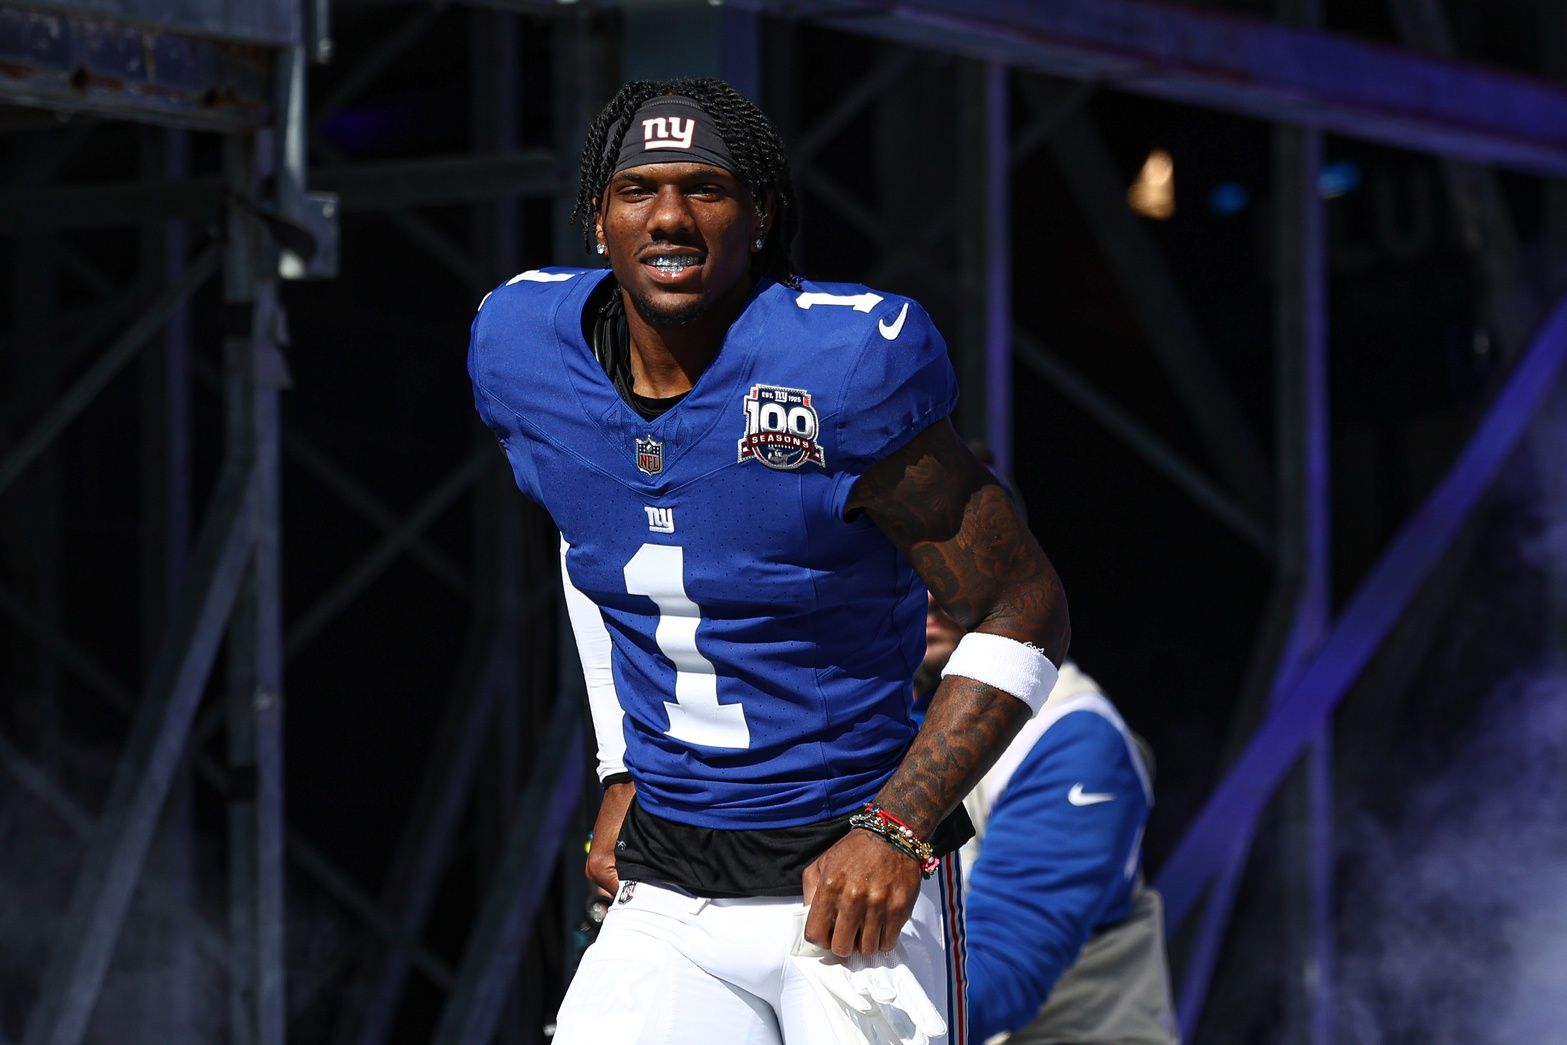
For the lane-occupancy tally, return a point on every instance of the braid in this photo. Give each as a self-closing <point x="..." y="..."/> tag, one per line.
<point x="750" y="137"/>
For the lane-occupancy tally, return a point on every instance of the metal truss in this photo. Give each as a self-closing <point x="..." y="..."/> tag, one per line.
<point x="67" y="57"/>
<point x="1227" y="821"/>
<point x="230" y="588"/>
<point x="1268" y="70"/>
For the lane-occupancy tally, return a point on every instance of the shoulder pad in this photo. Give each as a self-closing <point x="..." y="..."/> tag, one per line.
<point x="854" y="310"/>
<point x="539" y="280"/>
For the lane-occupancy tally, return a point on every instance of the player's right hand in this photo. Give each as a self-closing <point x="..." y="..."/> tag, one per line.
<point x="861" y="891"/>
<point x="600" y="868"/>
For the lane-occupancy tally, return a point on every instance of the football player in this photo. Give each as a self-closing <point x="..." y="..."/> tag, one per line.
<point x="752" y="475"/>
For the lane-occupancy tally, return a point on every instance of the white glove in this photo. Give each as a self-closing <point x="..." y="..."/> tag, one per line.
<point x="869" y="1001"/>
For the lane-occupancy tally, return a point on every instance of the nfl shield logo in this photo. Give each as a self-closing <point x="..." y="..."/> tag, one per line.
<point x="650" y="455"/>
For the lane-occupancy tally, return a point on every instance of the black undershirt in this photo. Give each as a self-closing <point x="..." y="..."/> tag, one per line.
<point x="706" y="861"/>
<point x="651" y="409"/>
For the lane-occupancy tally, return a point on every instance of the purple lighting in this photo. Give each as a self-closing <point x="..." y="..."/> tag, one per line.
<point x="1365" y="622"/>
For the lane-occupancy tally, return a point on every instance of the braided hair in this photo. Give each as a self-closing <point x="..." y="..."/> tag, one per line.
<point x="750" y="137"/>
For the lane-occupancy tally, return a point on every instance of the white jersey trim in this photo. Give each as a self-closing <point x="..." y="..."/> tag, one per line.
<point x="594" y="649"/>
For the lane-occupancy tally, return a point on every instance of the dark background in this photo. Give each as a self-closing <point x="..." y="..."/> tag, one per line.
<point x="1166" y="601"/>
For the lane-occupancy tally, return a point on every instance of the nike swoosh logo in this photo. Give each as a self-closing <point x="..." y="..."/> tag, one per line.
<point x="891" y="333"/>
<point x="1078" y="797"/>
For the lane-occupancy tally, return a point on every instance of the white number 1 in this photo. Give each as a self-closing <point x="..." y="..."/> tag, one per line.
<point x="695" y="716"/>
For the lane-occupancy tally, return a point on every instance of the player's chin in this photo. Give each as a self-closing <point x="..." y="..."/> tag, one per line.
<point x="669" y="309"/>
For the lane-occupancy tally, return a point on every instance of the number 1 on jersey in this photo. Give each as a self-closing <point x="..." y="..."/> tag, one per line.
<point x="695" y="716"/>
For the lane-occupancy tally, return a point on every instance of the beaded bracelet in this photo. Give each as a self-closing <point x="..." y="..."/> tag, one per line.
<point x="897" y="834"/>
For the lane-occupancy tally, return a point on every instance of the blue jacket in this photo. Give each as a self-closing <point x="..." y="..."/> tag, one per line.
<point x="1061" y="818"/>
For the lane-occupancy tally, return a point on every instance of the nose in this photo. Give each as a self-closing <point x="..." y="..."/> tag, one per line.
<point x="670" y="214"/>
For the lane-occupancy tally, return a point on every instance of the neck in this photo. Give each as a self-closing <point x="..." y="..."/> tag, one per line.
<point x="667" y="358"/>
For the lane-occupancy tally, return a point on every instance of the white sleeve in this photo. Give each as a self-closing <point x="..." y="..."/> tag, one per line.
<point x="593" y="647"/>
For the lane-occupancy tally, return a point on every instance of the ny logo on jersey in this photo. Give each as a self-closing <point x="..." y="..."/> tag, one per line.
<point x="780" y="428"/>
<point x="668" y="132"/>
<point x="660" y="520"/>
<point x="650" y="455"/>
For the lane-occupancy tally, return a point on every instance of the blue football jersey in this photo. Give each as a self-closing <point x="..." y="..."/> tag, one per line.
<point x="763" y="644"/>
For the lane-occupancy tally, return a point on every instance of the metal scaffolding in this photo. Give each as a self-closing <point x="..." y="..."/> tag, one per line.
<point x="509" y="749"/>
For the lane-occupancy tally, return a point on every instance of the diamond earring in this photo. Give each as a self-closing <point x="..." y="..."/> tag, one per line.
<point x="761" y="241"/>
<point x="599" y="248"/>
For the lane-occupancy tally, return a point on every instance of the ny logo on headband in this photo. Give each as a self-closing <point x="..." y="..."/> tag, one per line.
<point x="668" y="132"/>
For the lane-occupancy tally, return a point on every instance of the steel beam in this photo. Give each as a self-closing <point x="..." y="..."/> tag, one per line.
<point x="891" y="69"/>
<point x="1192" y="991"/>
<point x="1362" y="625"/>
<point x="207" y="940"/>
<point x="107" y="66"/>
<point x="84" y="268"/>
<point x="441" y="180"/>
<point x="928" y="235"/>
<point x="1485" y="225"/>
<point x="335" y="478"/>
<point x="145" y="769"/>
<point x="582" y="66"/>
<point x="320" y="614"/>
<point x="1173" y="331"/>
<point x="422" y="182"/>
<point x="165" y="521"/>
<point x="494" y="88"/>
<point x="166" y="408"/>
<point x="413" y="29"/>
<point x="76" y="336"/>
<point x="998" y="264"/>
<point x="1174" y="335"/>
<point x="356" y="496"/>
<point x="1242" y="65"/>
<point x="1305" y="492"/>
<point x="692" y="40"/>
<point x="420" y="231"/>
<point x="71" y="656"/>
<point x="518" y="887"/>
<point x="254" y="373"/>
<point x="102" y="372"/>
<point x="969" y="336"/>
<point x="1146" y="444"/>
<point x="304" y="854"/>
<point x="274" y="22"/>
<point x="1553" y="32"/>
<point x="310" y="859"/>
<point x="370" y="1003"/>
<point x="1302" y="598"/>
<point x="37" y="505"/>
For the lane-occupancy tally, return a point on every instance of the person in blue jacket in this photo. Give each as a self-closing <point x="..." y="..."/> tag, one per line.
<point x="1065" y="942"/>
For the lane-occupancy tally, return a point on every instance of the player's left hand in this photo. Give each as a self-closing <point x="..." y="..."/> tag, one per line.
<point x="861" y="892"/>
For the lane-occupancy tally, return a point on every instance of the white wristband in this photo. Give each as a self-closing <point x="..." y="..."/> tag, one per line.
<point x="1009" y="665"/>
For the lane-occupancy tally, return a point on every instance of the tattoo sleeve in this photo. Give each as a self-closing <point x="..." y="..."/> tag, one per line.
<point x="959" y="529"/>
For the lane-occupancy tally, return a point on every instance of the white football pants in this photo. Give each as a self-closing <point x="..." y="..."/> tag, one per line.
<point x="670" y="969"/>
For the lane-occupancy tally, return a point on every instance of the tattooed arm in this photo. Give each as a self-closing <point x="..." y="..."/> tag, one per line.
<point x="947" y="513"/>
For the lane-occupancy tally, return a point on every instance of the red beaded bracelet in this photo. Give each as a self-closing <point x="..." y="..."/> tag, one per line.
<point x="897" y="834"/>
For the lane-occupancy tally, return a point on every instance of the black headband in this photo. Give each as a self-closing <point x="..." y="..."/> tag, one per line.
<point x="672" y="129"/>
